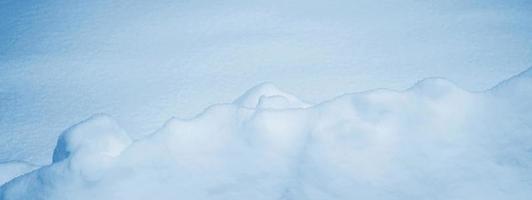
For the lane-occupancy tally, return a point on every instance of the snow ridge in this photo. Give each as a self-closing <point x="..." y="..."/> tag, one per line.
<point x="268" y="96"/>
<point x="432" y="141"/>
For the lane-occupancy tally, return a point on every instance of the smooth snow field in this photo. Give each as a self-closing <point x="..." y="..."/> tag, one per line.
<point x="431" y="141"/>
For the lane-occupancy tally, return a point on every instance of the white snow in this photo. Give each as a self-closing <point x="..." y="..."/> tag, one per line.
<point x="266" y="95"/>
<point x="143" y="62"/>
<point x="432" y="141"/>
<point x="91" y="145"/>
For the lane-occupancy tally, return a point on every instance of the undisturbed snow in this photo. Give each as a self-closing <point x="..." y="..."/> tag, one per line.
<point x="142" y="62"/>
<point x="431" y="141"/>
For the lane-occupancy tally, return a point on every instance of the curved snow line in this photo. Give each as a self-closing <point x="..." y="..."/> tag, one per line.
<point x="431" y="141"/>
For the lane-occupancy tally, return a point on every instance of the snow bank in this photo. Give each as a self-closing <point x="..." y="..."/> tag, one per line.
<point x="432" y="141"/>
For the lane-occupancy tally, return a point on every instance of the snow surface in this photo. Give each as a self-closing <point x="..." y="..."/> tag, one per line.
<point x="267" y="96"/>
<point x="11" y="170"/>
<point x="143" y="62"/>
<point x="431" y="141"/>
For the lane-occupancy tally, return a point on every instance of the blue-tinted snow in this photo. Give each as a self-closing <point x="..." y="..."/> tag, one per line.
<point x="143" y="62"/>
<point x="431" y="141"/>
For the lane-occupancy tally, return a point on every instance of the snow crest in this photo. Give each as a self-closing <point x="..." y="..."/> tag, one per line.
<point x="268" y="96"/>
<point x="91" y="145"/>
<point x="432" y="141"/>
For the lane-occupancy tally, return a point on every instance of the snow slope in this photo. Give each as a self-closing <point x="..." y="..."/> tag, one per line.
<point x="143" y="62"/>
<point x="431" y="141"/>
<point x="11" y="170"/>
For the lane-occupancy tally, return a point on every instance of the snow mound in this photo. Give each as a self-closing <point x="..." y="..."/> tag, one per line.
<point x="91" y="145"/>
<point x="268" y="96"/>
<point x="432" y="141"/>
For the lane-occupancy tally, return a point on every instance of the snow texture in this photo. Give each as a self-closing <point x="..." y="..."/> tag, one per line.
<point x="10" y="170"/>
<point x="267" y="96"/>
<point x="143" y="62"/>
<point x="431" y="141"/>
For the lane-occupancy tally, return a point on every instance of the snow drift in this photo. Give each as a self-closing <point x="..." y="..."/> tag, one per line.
<point x="432" y="141"/>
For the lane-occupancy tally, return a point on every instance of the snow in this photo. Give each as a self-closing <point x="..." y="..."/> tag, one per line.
<point x="434" y="140"/>
<point x="91" y="145"/>
<point x="10" y="170"/>
<point x="143" y="62"/>
<point x="266" y="95"/>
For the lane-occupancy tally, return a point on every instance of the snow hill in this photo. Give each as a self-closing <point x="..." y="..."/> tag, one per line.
<point x="432" y="141"/>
